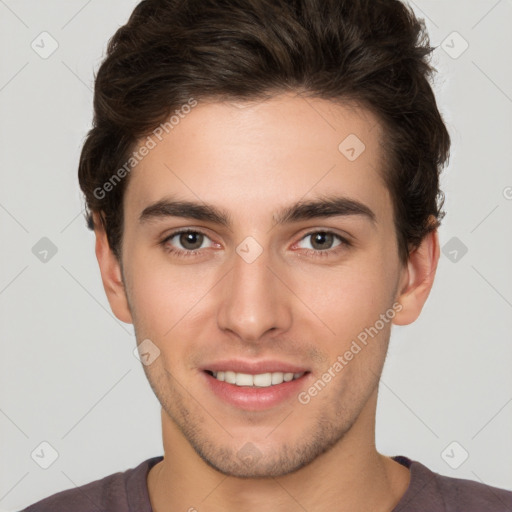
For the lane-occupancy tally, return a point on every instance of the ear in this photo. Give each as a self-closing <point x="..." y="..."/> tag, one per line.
<point x="417" y="279"/>
<point x="111" y="274"/>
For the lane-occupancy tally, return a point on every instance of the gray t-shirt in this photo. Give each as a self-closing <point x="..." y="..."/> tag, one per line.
<point x="427" y="492"/>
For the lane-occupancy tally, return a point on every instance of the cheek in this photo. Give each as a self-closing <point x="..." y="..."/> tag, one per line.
<point x="345" y="298"/>
<point x="164" y="297"/>
<point x="350" y="297"/>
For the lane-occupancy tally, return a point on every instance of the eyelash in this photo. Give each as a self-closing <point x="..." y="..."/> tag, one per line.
<point x="180" y="253"/>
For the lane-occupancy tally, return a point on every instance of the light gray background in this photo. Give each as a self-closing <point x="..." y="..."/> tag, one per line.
<point x="68" y="375"/>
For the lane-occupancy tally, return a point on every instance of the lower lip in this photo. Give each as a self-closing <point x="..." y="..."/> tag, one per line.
<point x="255" y="398"/>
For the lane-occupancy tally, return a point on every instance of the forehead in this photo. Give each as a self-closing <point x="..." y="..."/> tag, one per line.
<point x="254" y="156"/>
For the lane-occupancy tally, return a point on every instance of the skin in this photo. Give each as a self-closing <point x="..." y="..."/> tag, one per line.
<point x="291" y="304"/>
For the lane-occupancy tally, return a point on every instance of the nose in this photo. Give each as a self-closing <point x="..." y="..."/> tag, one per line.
<point x="254" y="301"/>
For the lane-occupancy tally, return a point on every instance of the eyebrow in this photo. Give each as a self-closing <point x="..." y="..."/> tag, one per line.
<point x="302" y="210"/>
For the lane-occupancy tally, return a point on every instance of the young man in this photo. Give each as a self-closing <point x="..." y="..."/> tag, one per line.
<point x="263" y="182"/>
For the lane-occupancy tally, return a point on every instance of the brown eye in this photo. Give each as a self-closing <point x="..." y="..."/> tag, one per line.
<point x="186" y="242"/>
<point x="321" y="241"/>
<point x="191" y="240"/>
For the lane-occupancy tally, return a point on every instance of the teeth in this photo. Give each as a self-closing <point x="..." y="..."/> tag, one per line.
<point x="261" y="380"/>
<point x="229" y="377"/>
<point x="244" y="379"/>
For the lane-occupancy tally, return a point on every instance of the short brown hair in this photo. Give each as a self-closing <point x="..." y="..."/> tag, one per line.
<point x="372" y="52"/>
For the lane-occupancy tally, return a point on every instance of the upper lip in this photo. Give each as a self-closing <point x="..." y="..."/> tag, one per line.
<point x="253" y="367"/>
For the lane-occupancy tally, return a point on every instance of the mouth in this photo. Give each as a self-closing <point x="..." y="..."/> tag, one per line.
<point x="255" y="386"/>
<point x="260" y="380"/>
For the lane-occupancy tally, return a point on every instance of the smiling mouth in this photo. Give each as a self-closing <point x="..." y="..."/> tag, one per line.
<point x="260" y="380"/>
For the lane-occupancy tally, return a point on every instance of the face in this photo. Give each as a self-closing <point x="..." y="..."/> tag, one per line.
<point x="256" y="250"/>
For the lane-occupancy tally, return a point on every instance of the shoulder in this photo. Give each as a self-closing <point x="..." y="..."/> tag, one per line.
<point x="112" y="493"/>
<point x="448" y="494"/>
<point x="471" y="495"/>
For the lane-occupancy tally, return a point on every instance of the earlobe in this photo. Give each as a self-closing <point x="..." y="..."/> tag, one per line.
<point x="111" y="274"/>
<point x="418" y="279"/>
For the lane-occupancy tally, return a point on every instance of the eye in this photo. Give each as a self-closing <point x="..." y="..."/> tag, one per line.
<point x="321" y="241"/>
<point x="186" y="241"/>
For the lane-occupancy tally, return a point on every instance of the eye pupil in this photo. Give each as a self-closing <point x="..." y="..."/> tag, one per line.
<point x="191" y="239"/>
